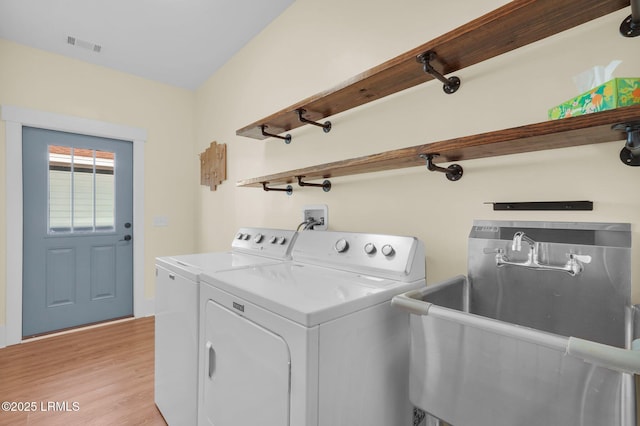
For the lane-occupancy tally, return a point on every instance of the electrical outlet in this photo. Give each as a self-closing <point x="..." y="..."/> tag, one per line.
<point x="316" y="213"/>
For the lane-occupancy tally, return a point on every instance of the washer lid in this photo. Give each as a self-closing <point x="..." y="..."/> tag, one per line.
<point x="307" y="294"/>
<point x="192" y="266"/>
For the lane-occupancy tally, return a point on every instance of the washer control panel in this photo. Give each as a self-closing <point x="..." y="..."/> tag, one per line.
<point x="264" y="241"/>
<point x="342" y="245"/>
<point x="375" y="254"/>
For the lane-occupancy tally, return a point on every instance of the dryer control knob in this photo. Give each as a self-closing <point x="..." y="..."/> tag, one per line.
<point x="247" y="236"/>
<point x="239" y="236"/>
<point x="388" y="250"/>
<point x="258" y="238"/>
<point x="282" y="240"/>
<point x="273" y="240"/>
<point x="369" y="248"/>
<point x="341" y="245"/>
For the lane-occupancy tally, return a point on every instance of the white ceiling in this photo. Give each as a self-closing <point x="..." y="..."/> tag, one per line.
<point x="178" y="42"/>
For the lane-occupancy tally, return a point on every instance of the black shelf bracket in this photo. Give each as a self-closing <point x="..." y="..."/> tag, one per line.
<point x="451" y="84"/>
<point x="630" y="154"/>
<point x="288" y="189"/>
<point x="286" y="138"/>
<point x="326" y="126"/>
<point x="453" y="172"/>
<point x="630" y="27"/>
<point x="326" y="185"/>
<point x="544" y="205"/>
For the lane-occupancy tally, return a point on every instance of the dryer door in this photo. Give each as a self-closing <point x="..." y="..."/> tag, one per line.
<point x="246" y="372"/>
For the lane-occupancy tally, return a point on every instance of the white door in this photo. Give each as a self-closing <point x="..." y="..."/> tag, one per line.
<point x="246" y="372"/>
<point x="77" y="232"/>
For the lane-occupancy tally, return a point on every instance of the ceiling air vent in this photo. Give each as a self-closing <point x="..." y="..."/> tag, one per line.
<point x="83" y="44"/>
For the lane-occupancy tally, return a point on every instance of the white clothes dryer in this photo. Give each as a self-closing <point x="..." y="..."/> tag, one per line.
<point x="312" y="342"/>
<point x="177" y="315"/>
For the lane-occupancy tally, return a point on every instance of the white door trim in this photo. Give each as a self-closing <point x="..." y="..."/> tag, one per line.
<point x="15" y="118"/>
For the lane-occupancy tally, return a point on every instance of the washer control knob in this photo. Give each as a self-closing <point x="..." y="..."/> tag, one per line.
<point x="239" y="236"/>
<point x="282" y="240"/>
<point x="258" y="238"/>
<point x="388" y="250"/>
<point x="247" y="236"/>
<point x="273" y="240"/>
<point x="341" y="245"/>
<point x="369" y="248"/>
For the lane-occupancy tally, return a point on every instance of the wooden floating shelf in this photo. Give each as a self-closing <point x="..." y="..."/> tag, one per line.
<point x="575" y="131"/>
<point x="516" y="24"/>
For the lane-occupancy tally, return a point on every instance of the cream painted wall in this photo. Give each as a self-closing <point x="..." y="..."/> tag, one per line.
<point x="312" y="47"/>
<point x="38" y="80"/>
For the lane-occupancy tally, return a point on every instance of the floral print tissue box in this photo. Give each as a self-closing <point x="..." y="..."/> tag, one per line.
<point x="615" y="93"/>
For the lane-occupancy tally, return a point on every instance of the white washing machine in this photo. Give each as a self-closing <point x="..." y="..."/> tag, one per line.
<point x="312" y="342"/>
<point x="177" y="315"/>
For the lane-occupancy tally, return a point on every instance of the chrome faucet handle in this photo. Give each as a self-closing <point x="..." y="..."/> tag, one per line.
<point x="500" y="257"/>
<point x="584" y="258"/>
<point x="575" y="262"/>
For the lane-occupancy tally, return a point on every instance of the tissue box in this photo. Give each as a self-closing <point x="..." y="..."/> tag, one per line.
<point x="614" y="93"/>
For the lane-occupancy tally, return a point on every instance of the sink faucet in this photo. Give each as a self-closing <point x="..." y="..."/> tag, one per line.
<point x="518" y="237"/>
<point x="516" y="245"/>
<point x="573" y="267"/>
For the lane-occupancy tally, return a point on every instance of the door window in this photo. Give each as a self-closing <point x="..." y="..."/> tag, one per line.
<point x="81" y="190"/>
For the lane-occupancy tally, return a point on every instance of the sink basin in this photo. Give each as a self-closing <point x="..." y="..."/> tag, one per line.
<point x="524" y="345"/>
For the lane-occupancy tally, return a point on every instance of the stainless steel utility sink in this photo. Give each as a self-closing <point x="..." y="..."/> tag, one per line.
<point x="538" y="334"/>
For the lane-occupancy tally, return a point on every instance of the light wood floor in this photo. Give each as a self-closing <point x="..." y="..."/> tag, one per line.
<point x="97" y="376"/>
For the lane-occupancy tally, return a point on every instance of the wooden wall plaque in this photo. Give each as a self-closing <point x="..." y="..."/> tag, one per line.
<point x="213" y="165"/>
